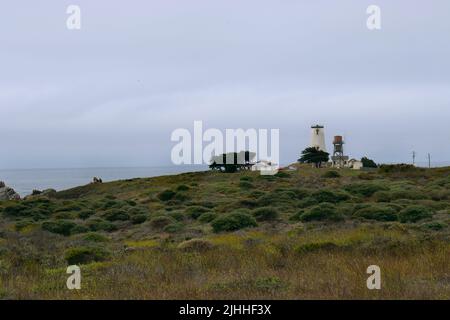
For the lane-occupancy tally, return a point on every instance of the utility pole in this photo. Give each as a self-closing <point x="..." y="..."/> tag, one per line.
<point x="414" y="157"/>
<point x="429" y="160"/>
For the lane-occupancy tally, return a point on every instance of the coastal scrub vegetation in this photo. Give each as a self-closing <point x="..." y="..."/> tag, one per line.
<point x="306" y="233"/>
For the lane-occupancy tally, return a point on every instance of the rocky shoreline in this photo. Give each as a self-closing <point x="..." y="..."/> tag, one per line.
<point x="7" y="193"/>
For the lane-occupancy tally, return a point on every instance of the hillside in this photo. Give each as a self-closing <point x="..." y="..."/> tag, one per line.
<point x="309" y="233"/>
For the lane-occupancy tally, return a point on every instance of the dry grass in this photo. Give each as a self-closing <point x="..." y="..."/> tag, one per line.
<point x="257" y="266"/>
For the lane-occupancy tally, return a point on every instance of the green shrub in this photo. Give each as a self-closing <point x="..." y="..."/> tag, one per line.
<point x="173" y="227"/>
<point x="365" y="189"/>
<point x="247" y="203"/>
<point x="233" y="221"/>
<point x="137" y="211"/>
<point x="65" y="215"/>
<point x="435" y="225"/>
<point x="182" y="187"/>
<point x="246" y="185"/>
<point x="95" y="237"/>
<point x="330" y="196"/>
<point x="206" y="204"/>
<point x="439" y="194"/>
<point x="116" y="215"/>
<point x="70" y="207"/>
<point x="15" y="210"/>
<point x="308" y="202"/>
<point x="415" y="213"/>
<point x="368" y="163"/>
<point x="394" y="206"/>
<point x="110" y="204"/>
<point x="101" y="225"/>
<point x="302" y="193"/>
<point x="161" y="221"/>
<point x="62" y="227"/>
<point x="243" y="210"/>
<point x="396" y="168"/>
<point x="86" y="213"/>
<point x="323" y="211"/>
<point x="255" y="194"/>
<point x="207" y="217"/>
<point x="181" y="196"/>
<point x="379" y="213"/>
<point x="166" y="195"/>
<point x="177" y="215"/>
<point x="331" y="174"/>
<point x="408" y="194"/>
<point x="82" y="255"/>
<point x="195" y="211"/>
<point x="79" y="229"/>
<point x="282" y="174"/>
<point x="366" y="176"/>
<point x="434" y="205"/>
<point x="138" y="218"/>
<point x="131" y="202"/>
<point x="347" y="209"/>
<point x="20" y="225"/>
<point x="281" y="197"/>
<point x="265" y="214"/>
<point x="38" y="213"/>
<point x="382" y="196"/>
<point x="269" y="284"/>
<point x="297" y="216"/>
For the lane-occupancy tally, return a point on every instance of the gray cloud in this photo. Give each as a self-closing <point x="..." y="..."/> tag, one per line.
<point x="111" y="93"/>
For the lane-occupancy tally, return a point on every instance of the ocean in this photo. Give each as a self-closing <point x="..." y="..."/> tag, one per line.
<point x="24" y="181"/>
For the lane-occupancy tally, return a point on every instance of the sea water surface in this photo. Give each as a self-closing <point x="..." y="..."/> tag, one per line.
<point x="24" y="181"/>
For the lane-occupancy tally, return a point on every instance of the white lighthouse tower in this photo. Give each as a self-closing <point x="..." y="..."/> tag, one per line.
<point x="318" y="137"/>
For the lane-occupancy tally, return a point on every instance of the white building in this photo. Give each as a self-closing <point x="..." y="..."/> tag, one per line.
<point x="354" y="164"/>
<point x="265" y="167"/>
<point x="318" y="138"/>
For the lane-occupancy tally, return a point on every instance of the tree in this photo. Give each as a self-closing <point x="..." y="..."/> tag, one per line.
<point x="232" y="161"/>
<point x="368" y="163"/>
<point x="314" y="156"/>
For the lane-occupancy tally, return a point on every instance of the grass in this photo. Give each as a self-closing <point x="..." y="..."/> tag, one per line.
<point x="298" y="249"/>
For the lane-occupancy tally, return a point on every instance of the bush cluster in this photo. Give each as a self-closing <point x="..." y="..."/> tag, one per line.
<point x="83" y="255"/>
<point x="377" y="212"/>
<point x="233" y="221"/>
<point x="415" y="213"/>
<point x="323" y="211"/>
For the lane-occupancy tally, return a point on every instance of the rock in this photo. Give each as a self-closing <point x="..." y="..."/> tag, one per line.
<point x="36" y="192"/>
<point x="43" y="193"/>
<point x="48" y="192"/>
<point x="7" y="193"/>
<point x="97" y="180"/>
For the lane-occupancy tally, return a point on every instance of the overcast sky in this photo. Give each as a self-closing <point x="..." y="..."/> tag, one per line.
<point x="111" y="93"/>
